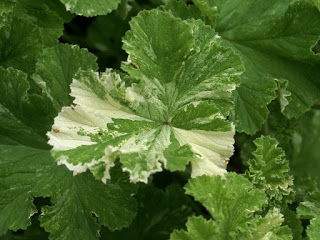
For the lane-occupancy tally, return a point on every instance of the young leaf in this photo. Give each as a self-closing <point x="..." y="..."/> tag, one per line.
<point x="310" y="209"/>
<point x="270" y="172"/>
<point x="91" y="8"/>
<point x="232" y="203"/>
<point x="274" y="40"/>
<point x="197" y="228"/>
<point x="175" y="114"/>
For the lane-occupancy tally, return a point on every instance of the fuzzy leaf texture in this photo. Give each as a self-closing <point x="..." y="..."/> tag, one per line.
<point x="274" y="40"/>
<point x="27" y="170"/>
<point x="270" y="172"/>
<point x="231" y="203"/>
<point x="175" y="114"/>
<point x="310" y="209"/>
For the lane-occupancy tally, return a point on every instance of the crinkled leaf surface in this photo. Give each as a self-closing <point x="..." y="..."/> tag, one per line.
<point x="92" y="7"/>
<point x="55" y="69"/>
<point x="6" y="6"/>
<point x="269" y="227"/>
<point x="231" y="202"/>
<point x="310" y="209"/>
<point x="197" y="228"/>
<point x="270" y="172"/>
<point x="274" y="39"/>
<point x="20" y="44"/>
<point x="175" y="114"/>
<point x="27" y="170"/>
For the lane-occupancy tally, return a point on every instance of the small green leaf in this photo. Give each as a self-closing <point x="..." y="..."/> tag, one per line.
<point x="91" y="8"/>
<point x="270" y="172"/>
<point x="231" y="202"/>
<point x="197" y="228"/>
<point x="310" y="209"/>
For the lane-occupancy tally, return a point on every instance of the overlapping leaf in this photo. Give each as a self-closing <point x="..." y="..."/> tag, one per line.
<point x="54" y="76"/>
<point x="27" y="170"/>
<point x="231" y="203"/>
<point x="175" y="114"/>
<point x="274" y="40"/>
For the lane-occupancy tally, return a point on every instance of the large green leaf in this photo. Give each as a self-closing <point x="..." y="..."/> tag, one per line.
<point x="27" y="170"/>
<point x="274" y="39"/>
<point x="175" y="114"/>
<point x="92" y="7"/>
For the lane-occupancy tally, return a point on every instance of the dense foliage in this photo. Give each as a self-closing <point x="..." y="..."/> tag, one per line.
<point x="159" y="119"/>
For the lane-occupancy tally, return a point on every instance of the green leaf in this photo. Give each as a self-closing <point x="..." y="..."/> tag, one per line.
<point x="198" y="228"/>
<point x="305" y="162"/>
<point x="269" y="227"/>
<point x="159" y="213"/>
<point x="34" y="232"/>
<point x="20" y="45"/>
<point x="40" y="14"/>
<point x="175" y="114"/>
<point x="23" y="118"/>
<point x="56" y="68"/>
<point x="91" y="8"/>
<point x="270" y="172"/>
<point x="310" y="209"/>
<point x="181" y="10"/>
<point x="28" y="172"/>
<point x="231" y="202"/>
<point x="274" y="40"/>
<point x="6" y="7"/>
<point x="291" y="219"/>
